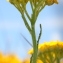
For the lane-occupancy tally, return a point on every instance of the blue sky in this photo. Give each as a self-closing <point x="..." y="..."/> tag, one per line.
<point x="11" y="25"/>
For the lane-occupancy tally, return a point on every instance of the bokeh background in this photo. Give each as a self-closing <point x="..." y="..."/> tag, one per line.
<point x="11" y="25"/>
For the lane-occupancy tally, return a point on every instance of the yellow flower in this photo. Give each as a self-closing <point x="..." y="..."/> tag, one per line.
<point x="48" y="45"/>
<point x="39" y="61"/>
<point x="50" y="2"/>
<point x="31" y="51"/>
<point x="49" y="51"/>
<point x="28" y="61"/>
<point x="55" y="1"/>
<point x="13" y="59"/>
<point x="18" y="1"/>
<point x="9" y="58"/>
<point x="35" y="0"/>
<point x="12" y="1"/>
<point x="1" y="57"/>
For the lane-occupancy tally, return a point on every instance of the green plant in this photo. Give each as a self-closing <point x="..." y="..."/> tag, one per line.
<point x="36" y="7"/>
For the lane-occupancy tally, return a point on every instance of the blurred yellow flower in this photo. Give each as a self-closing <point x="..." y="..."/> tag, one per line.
<point x="9" y="58"/>
<point x="48" y="45"/>
<point x="39" y="61"/>
<point x="50" y="51"/>
<point x="13" y="59"/>
<point x="28" y="61"/>
<point x="50" y="2"/>
<point x="17" y="1"/>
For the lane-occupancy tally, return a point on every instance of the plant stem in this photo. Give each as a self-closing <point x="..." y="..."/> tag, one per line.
<point x="34" y="44"/>
<point x="58" y="60"/>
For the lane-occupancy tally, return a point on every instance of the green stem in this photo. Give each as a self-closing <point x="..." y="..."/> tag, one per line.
<point x="57" y="55"/>
<point x="34" y="45"/>
<point x="58" y="60"/>
<point x="39" y="35"/>
<point x="26" y="23"/>
<point x="27" y="15"/>
<point x="31" y="5"/>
